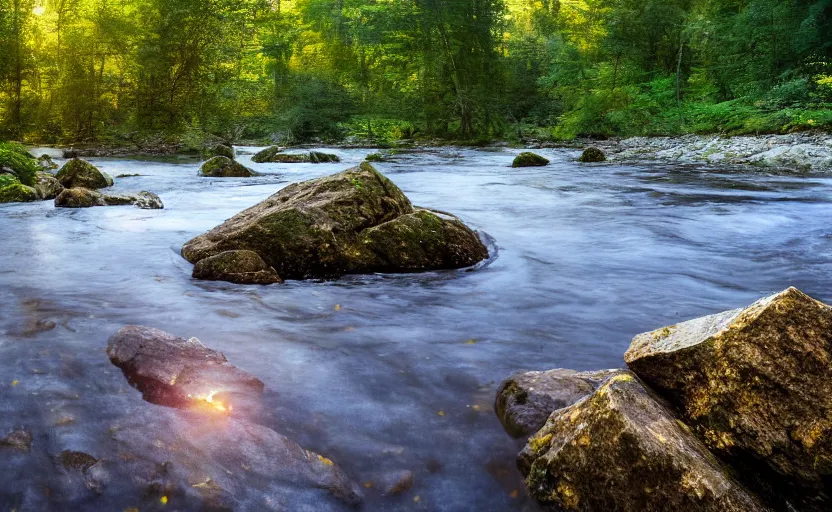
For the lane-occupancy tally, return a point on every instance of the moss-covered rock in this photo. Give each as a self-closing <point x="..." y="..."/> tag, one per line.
<point x="422" y="241"/>
<point x="79" y="198"/>
<point x="46" y="163"/>
<point x="15" y="159"/>
<point x="374" y="157"/>
<point x="755" y="383"/>
<point x="223" y="150"/>
<point x="622" y="450"/>
<point x="18" y="193"/>
<point x="527" y="399"/>
<point x="223" y="167"/>
<point x="592" y="155"/>
<point x="323" y="228"/>
<point x="267" y="155"/>
<point x="47" y="185"/>
<point x="240" y="267"/>
<point x="316" y="157"/>
<point x="78" y="173"/>
<point x="529" y="160"/>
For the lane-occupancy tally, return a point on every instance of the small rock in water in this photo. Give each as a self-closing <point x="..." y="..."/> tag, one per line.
<point x="527" y="399"/>
<point x="46" y="163"/>
<point x="79" y="198"/>
<point x="47" y="185"/>
<point x="396" y="482"/>
<point x="148" y="201"/>
<point x="622" y="450"/>
<point x="224" y="150"/>
<point x="19" y="439"/>
<point x="180" y="373"/>
<point x="224" y="167"/>
<point x="77" y="460"/>
<point x="593" y="155"/>
<point x="529" y="160"/>
<point x="267" y="155"/>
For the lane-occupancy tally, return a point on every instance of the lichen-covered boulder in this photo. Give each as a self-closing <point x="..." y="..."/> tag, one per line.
<point x="179" y="372"/>
<point x="754" y="383"/>
<point x="622" y="450"/>
<point x="79" y="198"/>
<point x="356" y="221"/>
<point x="592" y="155"/>
<point x="148" y="201"/>
<point x="240" y="267"/>
<point x="267" y="155"/>
<point x="224" y="167"/>
<point x="527" y="399"/>
<point x="47" y="186"/>
<point x="18" y="193"/>
<point x="78" y="173"/>
<point x="529" y="160"/>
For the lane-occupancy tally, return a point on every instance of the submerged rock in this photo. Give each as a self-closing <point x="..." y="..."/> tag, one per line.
<point x="592" y="155"/>
<point x="397" y="482"/>
<point x="18" y="439"/>
<point x="18" y="193"/>
<point x="224" y="167"/>
<point x="77" y="460"/>
<point x="529" y="160"/>
<point x="47" y="186"/>
<point x="78" y="173"/>
<point x="755" y="383"/>
<point x="356" y="221"/>
<point x="622" y="450"/>
<point x="527" y="399"/>
<point x="240" y="267"/>
<point x="229" y="464"/>
<point x="177" y="372"/>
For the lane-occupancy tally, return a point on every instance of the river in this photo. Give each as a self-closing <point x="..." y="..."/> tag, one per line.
<point x="387" y="372"/>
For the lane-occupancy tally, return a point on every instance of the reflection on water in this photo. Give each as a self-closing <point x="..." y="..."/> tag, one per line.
<point x="384" y="373"/>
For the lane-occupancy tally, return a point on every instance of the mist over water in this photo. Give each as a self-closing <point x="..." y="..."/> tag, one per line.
<point x="387" y="372"/>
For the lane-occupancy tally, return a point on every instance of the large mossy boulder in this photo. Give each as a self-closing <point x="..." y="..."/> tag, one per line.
<point x="178" y="372"/>
<point x="16" y="192"/>
<point x="240" y="267"/>
<point x="592" y="155"/>
<point x="620" y="449"/>
<point x="16" y="160"/>
<point x="527" y="399"/>
<point x="754" y="383"/>
<point x="529" y="160"/>
<point x="356" y="221"/>
<point x="79" y="173"/>
<point x="224" y="167"/>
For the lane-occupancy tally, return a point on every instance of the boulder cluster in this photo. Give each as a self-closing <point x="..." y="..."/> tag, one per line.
<point x="353" y="222"/>
<point x="275" y="154"/>
<point x="727" y="412"/>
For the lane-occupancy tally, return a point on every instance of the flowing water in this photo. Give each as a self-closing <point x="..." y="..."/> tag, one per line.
<point x="387" y="372"/>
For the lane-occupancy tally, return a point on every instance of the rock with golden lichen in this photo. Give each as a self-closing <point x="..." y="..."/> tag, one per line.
<point x="181" y="373"/>
<point x="353" y="222"/>
<point x="526" y="399"/>
<point x="621" y="449"/>
<point x="754" y="383"/>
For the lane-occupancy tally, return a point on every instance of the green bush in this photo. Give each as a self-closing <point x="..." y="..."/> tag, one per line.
<point x="17" y="159"/>
<point x="7" y="179"/>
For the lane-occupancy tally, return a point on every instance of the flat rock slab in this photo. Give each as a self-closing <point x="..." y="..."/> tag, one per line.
<point x="527" y="399"/>
<point x="179" y="372"/>
<point x="620" y="449"/>
<point x="80" y="197"/>
<point x="353" y="222"/>
<point x="755" y="383"/>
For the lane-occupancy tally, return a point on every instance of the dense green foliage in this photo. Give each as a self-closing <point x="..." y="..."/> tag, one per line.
<point x="76" y="70"/>
<point x="16" y="159"/>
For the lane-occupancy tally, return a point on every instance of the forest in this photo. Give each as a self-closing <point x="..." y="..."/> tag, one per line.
<point x="465" y="70"/>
